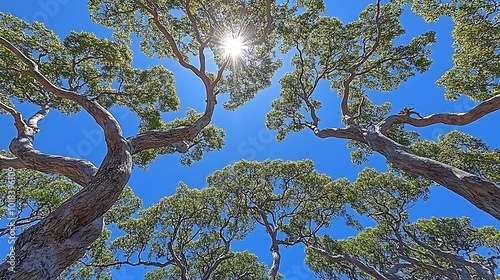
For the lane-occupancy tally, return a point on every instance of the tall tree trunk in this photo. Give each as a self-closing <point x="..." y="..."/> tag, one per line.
<point x="276" y="258"/>
<point x="44" y="250"/>
<point x="47" y="260"/>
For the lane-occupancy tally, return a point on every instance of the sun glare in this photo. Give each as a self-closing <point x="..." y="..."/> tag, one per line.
<point x="233" y="47"/>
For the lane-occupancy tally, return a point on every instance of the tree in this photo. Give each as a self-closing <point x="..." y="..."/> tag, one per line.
<point x="189" y="235"/>
<point x="85" y="72"/>
<point x="360" y="57"/>
<point x="289" y="199"/>
<point x="69" y="206"/>
<point x="436" y="248"/>
<point x="184" y="236"/>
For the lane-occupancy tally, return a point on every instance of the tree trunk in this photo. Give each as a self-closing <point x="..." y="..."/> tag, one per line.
<point x="47" y="260"/>
<point x="273" y="271"/>
<point x="44" y="250"/>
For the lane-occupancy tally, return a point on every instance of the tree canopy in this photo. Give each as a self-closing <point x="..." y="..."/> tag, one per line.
<point x="72" y="218"/>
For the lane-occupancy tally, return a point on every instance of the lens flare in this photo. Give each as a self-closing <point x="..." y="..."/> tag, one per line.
<point x="233" y="47"/>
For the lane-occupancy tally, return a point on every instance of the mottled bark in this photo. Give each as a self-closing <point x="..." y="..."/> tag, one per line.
<point x="479" y="111"/>
<point x="44" y="250"/>
<point x="46" y="259"/>
<point x="479" y="191"/>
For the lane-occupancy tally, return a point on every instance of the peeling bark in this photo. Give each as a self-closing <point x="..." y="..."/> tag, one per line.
<point x="33" y="261"/>
<point x="44" y="250"/>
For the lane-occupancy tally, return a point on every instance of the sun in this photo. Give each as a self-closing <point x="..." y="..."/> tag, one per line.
<point x="233" y="47"/>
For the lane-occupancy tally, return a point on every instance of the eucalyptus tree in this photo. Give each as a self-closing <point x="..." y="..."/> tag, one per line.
<point x="184" y="236"/>
<point x="64" y="210"/>
<point x="85" y="73"/>
<point x="395" y="248"/>
<point x="189" y="235"/>
<point x="290" y="200"/>
<point x="360" y="57"/>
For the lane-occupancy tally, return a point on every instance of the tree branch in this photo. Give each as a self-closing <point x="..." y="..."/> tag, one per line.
<point x="21" y="222"/>
<point x="482" y="193"/>
<point x="305" y="93"/>
<point x="430" y="267"/>
<point x="269" y="24"/>
<point x="352" y="70"/>
<point x="112" y="130"/>
<point x="70" y="228"/>
<point x="482" y="271"/>
<point x="197" y="36"/>
<point x="351" y="259"/>
<point x="486" y="107"/>
<point x="171" y="41"/>
<point x="175" y="259"/>
<point x="78" y="170"/>
<point x="139" y="262"/>
<point x="6" y="162"/>
<point x="158" y="138"/>
<point x="18" y="120"/>
<point x="276" y="256"/>
<point x="38" y="116"/>
<point x="435" y="267"/>
<point x="350" y="132"/>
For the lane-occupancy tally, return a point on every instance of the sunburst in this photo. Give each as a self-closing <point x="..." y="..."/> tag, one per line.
<point x="233" y="47"/>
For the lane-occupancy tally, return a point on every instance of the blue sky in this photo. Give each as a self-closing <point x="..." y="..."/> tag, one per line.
<point x="247" y="137"/>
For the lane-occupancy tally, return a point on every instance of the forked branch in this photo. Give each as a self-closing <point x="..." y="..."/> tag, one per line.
<point x="269" y="24"/>
<point x="79" y="171"/>
<point x="153" y="12"/>
<point x="112" y="130"/>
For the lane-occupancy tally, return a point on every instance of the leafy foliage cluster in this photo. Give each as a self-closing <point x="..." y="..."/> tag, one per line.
<point x="191" y="234"/>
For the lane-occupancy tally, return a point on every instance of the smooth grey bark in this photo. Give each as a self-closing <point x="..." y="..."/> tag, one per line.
<point x="272" y="231"/>
<point x="276" y="259"/>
